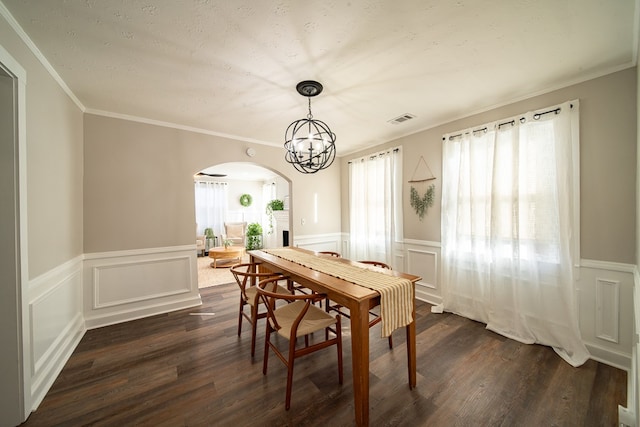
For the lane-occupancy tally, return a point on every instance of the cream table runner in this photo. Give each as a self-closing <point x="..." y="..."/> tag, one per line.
<point x="396" y="293"/>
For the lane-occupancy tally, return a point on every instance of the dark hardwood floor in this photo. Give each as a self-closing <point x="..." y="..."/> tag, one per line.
<point x="180" y="369"/>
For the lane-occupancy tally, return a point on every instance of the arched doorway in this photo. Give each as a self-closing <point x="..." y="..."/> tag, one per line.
<point x="247" y="188"/>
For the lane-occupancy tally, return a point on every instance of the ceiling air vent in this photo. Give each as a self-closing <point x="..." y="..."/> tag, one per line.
<point x="402" y="118"/>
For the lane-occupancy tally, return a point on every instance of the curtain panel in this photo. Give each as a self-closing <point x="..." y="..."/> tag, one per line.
<point x="510" y="227"/>
<point x="211" y="206"/>
<point x="375" y="206"/>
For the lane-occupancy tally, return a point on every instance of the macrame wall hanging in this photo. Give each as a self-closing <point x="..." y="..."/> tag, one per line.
<point x="422" y="190"/>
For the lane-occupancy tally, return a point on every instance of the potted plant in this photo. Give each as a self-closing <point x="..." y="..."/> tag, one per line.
<point x="209" y="237"/>
<point x="273" y="205"/>
<point x="226" y="243"/>
<point x="254" y="236"/>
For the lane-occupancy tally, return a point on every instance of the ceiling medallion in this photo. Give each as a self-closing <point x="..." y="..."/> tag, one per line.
<point x="310" y="144"/>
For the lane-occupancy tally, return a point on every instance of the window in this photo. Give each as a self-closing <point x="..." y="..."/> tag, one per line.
<point x="506" y="200"/>
<point x="375" y="205"/>
<point x="211" y="206"/>
<point x="510" y="224"/>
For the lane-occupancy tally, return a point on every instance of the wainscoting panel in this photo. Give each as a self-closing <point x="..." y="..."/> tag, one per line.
<point x="55" y="314"/>
<point x="399" y="261"/>
<point x="127" y="285"/>
<point x="423" y="259"/>
<point x="132" y="281"/>
<point x="605" y="311"/>
<point x="333" y="242"/>
<point x="424" y="264"/>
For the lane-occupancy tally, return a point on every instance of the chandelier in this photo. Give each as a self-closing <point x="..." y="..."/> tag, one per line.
<point x="310" y="144"/>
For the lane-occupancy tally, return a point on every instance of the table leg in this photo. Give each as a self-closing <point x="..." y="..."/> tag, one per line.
<point x="411" y="352"/>
<point x="411" y="344"/>
<point x="360" y="361"/>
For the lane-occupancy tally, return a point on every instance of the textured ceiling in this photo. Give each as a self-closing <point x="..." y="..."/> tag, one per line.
<point x="231" y="67"/>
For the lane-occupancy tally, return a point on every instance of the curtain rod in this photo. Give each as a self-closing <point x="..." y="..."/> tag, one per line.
<point x="395" y="150"/>
<point x="211" y="182"/>
<point x="536" y="116"/>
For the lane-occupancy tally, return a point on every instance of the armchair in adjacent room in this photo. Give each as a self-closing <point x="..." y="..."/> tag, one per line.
<point x="235" y="232"/>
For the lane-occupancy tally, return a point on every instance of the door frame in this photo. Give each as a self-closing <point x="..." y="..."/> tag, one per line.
<point x="22" y="336"/>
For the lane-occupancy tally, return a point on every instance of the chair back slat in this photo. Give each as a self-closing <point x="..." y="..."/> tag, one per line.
<point x="333" y="254"/>
<point x="376" y="264"/>
<point x="248" y="274"/>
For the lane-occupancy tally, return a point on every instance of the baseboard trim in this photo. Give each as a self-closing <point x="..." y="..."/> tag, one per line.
<point x="426" y="297"/>
<point x="56" y="361"/>
<point x="608" y="357"/>
<point x="112" y="318"/>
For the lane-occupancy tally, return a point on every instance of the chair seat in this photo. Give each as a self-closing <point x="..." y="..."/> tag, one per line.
<point x="251" y="293"/>
<point x="314" y="319"/>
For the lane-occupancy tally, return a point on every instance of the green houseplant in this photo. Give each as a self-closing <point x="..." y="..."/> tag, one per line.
<point x="209" y="237"/>
<point x="273" y="205"/>
<point x="254" y="236"/>
<point x="208" y="232"/>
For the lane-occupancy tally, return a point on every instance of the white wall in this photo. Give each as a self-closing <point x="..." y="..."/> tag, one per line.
<point x="239" y="213"/>
<point x="51" y="221"/>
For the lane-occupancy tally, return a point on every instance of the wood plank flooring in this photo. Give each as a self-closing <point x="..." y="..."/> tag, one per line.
<point x="180" y="369"/>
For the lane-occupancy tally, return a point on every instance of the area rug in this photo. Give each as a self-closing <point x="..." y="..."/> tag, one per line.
<point x="209" y="276"/>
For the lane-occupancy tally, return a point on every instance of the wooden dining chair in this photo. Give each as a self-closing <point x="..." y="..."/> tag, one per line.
<point x="247" y="276"/>
<point x="299" y="318"/>
<point x="333" y="254"/>
<point x="376" y="264"/>
<point x="374" y="316"/>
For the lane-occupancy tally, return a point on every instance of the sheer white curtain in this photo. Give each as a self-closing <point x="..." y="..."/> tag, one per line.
<point x="375" y="205"/>
<point x="211" y="206"/>
<point x="510" y="225"/>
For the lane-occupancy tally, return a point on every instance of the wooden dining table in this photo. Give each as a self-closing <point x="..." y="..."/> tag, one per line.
<point x="359" y="300"/>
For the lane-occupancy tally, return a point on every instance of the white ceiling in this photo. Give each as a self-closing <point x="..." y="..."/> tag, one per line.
<point x="230" y="67"/>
